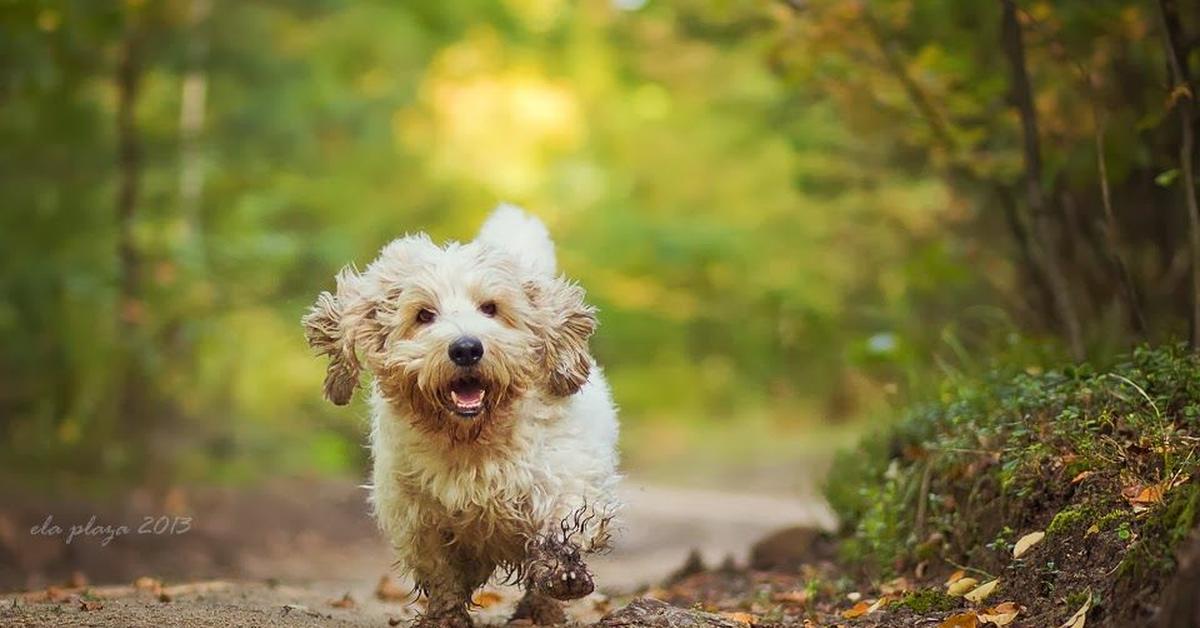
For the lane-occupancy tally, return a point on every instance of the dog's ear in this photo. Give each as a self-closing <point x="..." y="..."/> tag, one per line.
<point x="331" y="328"/>
<point x="564" y="323"/>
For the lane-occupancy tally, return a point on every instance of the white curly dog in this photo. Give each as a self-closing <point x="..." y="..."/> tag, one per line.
<point x="494" y="433"/>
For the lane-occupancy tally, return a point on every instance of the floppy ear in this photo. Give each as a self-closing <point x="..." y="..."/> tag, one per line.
<point x="330" y="327"/>
<point x="565" y="323"/>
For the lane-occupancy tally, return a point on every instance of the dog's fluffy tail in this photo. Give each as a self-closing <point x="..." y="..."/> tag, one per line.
<point x="511" y="229"/>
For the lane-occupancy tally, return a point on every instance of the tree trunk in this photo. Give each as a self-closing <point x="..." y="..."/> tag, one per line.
<point x="1183" y="98"/>
<point x="1044" y="227"/>
<point x="1116" y="261"/>
<point x="133" y="400"/>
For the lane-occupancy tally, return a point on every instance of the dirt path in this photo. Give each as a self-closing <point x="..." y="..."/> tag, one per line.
<point x="308" y="583"/>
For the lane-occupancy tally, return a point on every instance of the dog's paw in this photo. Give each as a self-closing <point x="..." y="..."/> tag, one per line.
<point x="567" y="580"/>
<point x="451" y="619"/>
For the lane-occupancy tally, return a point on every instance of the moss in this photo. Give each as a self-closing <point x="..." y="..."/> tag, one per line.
<point x="1066" y="520"/>
<point x="926" y="600"/>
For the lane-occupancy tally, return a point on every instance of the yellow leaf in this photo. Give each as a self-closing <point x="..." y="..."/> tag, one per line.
<point x="1079" y="619"/>
<point x="486" y="599"/>
<point x="961" y="586"/>
<point x="1093" y="529"/>
<point x="961" y="620"/>
<point x="980" y="593"/>
<point x="858" y="610"/>
<point x="955" y="577"/>
<point x="1001" y="614"/>
<point x="1026" y="542"/>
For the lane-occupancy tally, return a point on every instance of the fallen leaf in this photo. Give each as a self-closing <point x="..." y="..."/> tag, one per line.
<point x="1079" y="619"/>
<point x="344" y="602"/>
<point x="741" y="618"/>
<point x="1083" y="475"/>
<point x="1092" y="529"/>
<point x="961" y="620"/>
<point x="388" y="591"/>
<point x="1001" y="614"/>
<point x="1026" y="542"/>
<point x="980" y="593"/>
<point x="858" y="610"/>
<point x="919" y="570"/>
<point x="1152" y="494"/>
<point x="486" y="599"/>
<point x="56" y="594"/>
<point x="90" y="605"/>
<point x="962" y="586"/>
<point x="895" y="585"/>
<point x="955" y="577"/>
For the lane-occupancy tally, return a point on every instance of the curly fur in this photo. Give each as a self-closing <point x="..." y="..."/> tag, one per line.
<point x="460" y="498"/>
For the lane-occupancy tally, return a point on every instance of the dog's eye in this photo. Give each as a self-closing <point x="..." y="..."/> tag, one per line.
<point x="425" y="316"/>
<point x="488" y="308"/>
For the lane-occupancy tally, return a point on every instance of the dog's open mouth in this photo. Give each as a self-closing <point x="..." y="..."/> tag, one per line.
<point x="466" y="396"/>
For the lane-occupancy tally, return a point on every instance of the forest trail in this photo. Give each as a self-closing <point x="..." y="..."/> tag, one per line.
<point x="338" y="585"/>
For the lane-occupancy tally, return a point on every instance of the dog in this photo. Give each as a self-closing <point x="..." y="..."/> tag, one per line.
<point x="494" y="433"/>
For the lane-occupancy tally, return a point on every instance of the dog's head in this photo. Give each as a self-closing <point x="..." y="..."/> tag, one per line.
<point x="455" y="333"/>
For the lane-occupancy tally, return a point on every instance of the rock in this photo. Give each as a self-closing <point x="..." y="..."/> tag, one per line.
<point x="647" y="612"/>
<point x="789" y="548"/>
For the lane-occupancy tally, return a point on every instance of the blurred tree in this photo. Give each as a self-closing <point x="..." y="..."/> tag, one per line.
<point x="784" y="211"/>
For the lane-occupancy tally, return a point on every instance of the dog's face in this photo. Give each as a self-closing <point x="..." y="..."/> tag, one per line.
<point x="455" y="334"/>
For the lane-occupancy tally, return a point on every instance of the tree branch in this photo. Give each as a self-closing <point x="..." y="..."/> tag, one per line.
<point x="1044" y="227"/>
<point x="1182" y="97"/>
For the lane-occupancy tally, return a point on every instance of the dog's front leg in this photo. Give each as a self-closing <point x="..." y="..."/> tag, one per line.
<point x="449" y="577"/>
<point x="556" y="568"/>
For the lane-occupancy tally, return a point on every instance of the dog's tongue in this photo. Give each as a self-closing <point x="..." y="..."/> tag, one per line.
<point x="467" y="394"/>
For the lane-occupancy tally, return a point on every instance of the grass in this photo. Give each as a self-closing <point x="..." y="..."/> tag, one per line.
<point x="1068" y="450"/>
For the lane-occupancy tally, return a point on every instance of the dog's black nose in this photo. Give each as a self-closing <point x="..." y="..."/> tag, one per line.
<point x="466" y="350"/>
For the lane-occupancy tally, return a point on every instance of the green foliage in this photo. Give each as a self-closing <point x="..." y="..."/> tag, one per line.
<point x="772" y="229"/>
<point x="727" y="225"/>
<point x="1005" y="446"/>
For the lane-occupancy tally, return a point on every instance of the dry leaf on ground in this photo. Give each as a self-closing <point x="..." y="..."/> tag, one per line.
<point x="955" y="577"/>
<point x="1001" y="614"/>
<point x="865" y="608"/>
<point x="344" y="602"/>
<point x="858" y="610"/>
<point x="486" y="599"/>
<point x="961" y="620"/>
<point x="1079" y="619"/>
<point x="388" y="591"/>
<point x="1145" y="498"/>
<point x="980" y="593"/>
<point x="961" y="586"/>
<point x="1026" y="542"/>
<point x="1083" y="475"/>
